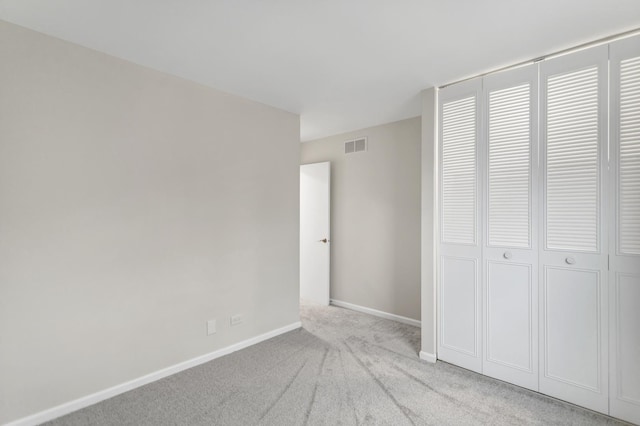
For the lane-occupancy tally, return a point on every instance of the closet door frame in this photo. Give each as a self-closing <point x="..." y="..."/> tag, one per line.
<point x="566" y="261"/>
<point x="460" y="258"/>
<point x="498" y="360"/>
<point x="624" y="268"/>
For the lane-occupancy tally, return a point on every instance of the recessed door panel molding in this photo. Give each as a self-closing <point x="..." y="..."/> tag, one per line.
<point x="509" y="317"/>
<point x="460" y="293"/>
<point x="571" y="318"/>
<point x="459" y="282"/>
<point x="624" y="243"/>
<point x="626" y="320"/>
<point x="510" y="250"/>
<point x="572" y="256"/>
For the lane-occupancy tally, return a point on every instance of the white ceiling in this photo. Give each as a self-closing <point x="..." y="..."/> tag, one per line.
<point x="341" y="64"/>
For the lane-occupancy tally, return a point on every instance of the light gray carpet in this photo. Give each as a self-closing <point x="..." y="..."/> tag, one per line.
<point x="343" y="367"/>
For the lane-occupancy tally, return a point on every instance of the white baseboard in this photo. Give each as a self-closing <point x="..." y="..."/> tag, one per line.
<point x="85" y="401"/>
<point x="426" y="356"/>
<point x="375" y="312"/>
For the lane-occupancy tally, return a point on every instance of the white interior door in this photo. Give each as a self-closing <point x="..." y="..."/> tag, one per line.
<point x="510" y="250"/>
<point x="459" y="289"/>
<point x="315" y="184"/>
<point x="573" y="255"/>
<point x="624" y="249"/>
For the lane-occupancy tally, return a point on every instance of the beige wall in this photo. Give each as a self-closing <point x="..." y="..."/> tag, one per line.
<point x="375" y="217"/>
<point x="134" y="206"/>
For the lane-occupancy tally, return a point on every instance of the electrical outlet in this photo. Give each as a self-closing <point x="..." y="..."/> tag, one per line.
<point x="211" y="327"/>
<point x="236" y="319"/>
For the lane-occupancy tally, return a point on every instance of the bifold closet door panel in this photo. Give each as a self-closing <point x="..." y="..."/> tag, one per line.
<point x="624" y="249"/>
<point x="573" y="255"/>
<point x="510" y="284"/>
<point x="459" y="287"/>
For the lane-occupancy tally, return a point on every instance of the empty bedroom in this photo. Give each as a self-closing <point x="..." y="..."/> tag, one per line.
<point x="284" y="212"/>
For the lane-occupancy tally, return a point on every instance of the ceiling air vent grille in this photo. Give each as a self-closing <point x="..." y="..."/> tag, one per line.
<point x="355" y="145"/>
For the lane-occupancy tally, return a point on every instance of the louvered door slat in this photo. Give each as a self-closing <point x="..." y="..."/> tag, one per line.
<point x="459" y="171"/>
<point x="629" y="160"/>
<point x="572" y="177"/>
<point x="509" y="167"/>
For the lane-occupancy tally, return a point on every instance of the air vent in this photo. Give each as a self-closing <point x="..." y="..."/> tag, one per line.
<point x="349" y="147"/>
<point x="355" y="145"/>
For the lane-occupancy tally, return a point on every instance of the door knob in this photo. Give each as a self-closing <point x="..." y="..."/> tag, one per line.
<point x="507" y="255"/>
<point x="324" y="240"/>
<point x="570" y="260"/>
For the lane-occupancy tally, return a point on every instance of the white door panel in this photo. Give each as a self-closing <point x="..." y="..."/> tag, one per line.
<point x="624" y="247"/>
<point x="459" y="301"/>
<point x="509" y="318"/>
<point x="572" y="357"/>
<point x="510" y="233"/>
<point x="459" y="286"/>
<point x="571" y="319"/>
<point x="626" y="307"/>
<point x="573" y="252"/>
<point x="314" y="232"/>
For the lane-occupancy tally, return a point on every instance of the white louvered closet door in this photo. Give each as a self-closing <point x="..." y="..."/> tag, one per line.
<point x="459" y="332"/>
<point x="510" y="279"/>
<point x="624" y="275"/>
<point x="573" y="253"/>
